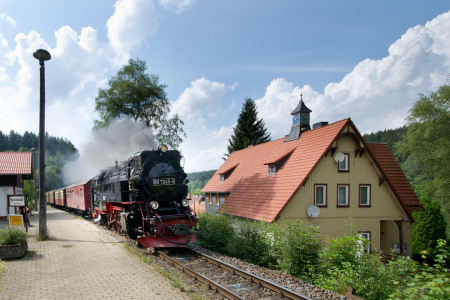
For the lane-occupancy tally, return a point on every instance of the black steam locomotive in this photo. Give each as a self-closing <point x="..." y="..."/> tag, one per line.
<point x="145" y="196"/>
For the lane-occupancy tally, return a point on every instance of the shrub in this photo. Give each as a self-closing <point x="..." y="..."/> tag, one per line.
<point x="296" y="247"/>
<point x="427" y="282"/>
<point x="344" y="263"/>
<point x="11" y="235"/>
<point x="215" y="231"/>
<point x="429" y="228"/>
<point x="251" y="243"/>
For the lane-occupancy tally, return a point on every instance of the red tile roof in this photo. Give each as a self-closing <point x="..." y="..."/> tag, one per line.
<point x="395" y="175"/>
<point x="15" y="163"/>
<point x="256" y="195"/>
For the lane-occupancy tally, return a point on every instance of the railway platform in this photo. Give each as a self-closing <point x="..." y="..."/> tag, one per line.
<point x="81" y="261"/>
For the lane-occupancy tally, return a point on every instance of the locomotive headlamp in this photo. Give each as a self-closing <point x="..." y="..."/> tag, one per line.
<point x="154" y="204"/>
<point x="164" y="148"/>
<point x="185" y="202"/>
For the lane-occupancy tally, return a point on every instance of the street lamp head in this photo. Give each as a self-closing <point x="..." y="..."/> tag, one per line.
<point x="42" y="54"/>
<point x="33" y="149"/>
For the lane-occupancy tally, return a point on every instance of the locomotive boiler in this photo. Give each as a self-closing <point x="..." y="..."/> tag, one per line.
<point x="145" y="196"/>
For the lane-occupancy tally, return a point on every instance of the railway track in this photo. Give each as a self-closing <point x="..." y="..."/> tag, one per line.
<point x="228" y="280"/>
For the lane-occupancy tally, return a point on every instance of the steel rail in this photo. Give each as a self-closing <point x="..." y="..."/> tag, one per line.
<point x="210" y="283"/>
<point x="261" y="281"/>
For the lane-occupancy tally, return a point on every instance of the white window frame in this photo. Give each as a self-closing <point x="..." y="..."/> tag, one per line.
<point x="324" y="192"/>
<point x="346" y="161"/>
<point x="368" y="194"/>
<point x="347" y="187"/>
<point x="365" y="235"/>
<point x="272" y="169"/>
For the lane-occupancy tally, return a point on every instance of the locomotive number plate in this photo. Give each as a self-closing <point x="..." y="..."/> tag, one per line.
<point x="165" y="181"/>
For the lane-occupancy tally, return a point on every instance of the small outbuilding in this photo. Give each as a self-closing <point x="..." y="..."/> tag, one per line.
<point x="15" y="167"/>
<point x="323" y="175"/>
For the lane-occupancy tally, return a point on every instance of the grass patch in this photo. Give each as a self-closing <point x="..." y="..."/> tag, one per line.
<point x="48" y="237"/>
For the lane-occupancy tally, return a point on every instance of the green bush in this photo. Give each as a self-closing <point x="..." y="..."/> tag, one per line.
<point x="215" y="231"/>
<point x="251" y="243"/>
<point x="11" y="235"/>
<point x="296" y="247"/>
<point x="427" y="282"/>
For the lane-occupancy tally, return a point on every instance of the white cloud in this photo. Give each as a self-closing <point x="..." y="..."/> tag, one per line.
<point x="204" y="147"/>
<point x="7" y="57"/>
<point x="132" y="22"/>
<point x="377" y="94"/>
<point x="8" y="19"/>
<point x="176" y="5"/>
<point x="73" y="76"/>
<point x="201" y="96"/>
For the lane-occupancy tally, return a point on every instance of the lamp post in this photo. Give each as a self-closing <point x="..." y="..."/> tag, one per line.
<point x="34" y="167"/>
<point x="42" y="55"/>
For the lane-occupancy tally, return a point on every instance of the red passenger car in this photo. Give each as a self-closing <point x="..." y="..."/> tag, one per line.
<point x="50" y="197"/>
<point x="78" y="195"/>
<point x="60" y="197"/>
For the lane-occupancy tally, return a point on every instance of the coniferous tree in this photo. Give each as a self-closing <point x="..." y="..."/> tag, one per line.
<point x="429" y="228"/>
<point x="249" y="129"/>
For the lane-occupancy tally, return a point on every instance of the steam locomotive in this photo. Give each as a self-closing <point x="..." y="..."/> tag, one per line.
<point x="145" y="196"/>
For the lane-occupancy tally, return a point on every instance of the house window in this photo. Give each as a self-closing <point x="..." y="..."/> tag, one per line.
<point x="209" y="199"/>
<point x="365" y="235"/>
<point x="272" y="170"/>
<point x="396" y="248"/>
<point x="222" y="178"/>
<point x="342" y="195"/>
<point x="213" y="199"/>
<point x="343" y="165"/>
<point x="320" y="194"/>
<point x="364" y="195"/>
<point x="221" y="199"/>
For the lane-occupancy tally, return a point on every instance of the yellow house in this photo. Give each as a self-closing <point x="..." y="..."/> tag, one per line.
<point x="323" y="176"/>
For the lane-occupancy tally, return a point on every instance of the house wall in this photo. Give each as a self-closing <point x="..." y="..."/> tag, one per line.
<point x="390" y="235"/>
<point x="332" y="219"/>
<point x="213" y="207"/>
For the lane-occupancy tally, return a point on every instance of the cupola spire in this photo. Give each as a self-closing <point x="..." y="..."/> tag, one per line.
<point x="300" y="121"/>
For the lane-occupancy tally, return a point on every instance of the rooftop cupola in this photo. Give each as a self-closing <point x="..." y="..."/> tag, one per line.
<point x="300" y="121"/>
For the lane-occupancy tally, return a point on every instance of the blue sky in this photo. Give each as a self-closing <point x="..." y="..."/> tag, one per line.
<point x="367" y="60"/>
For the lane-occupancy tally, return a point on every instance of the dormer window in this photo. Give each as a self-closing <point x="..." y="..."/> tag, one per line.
<point x="276" y="163"/>
<point x="272" y="169"/>
<point x="223" y="175"/>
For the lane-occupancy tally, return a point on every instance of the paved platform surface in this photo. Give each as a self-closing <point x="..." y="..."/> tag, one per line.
<point x="81" y="262"/>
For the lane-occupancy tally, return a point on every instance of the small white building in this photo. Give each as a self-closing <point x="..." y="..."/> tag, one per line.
<point x="15" y="167"/>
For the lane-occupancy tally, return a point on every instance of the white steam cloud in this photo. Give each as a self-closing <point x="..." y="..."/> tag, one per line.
<point x="120" y="140"/>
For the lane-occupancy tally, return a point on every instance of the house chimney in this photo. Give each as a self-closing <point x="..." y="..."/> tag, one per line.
<point x="320" y="124"/>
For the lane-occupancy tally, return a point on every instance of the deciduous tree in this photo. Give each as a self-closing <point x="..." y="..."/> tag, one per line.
<point x="136" y="95"/>
<point x="428" y="140"/>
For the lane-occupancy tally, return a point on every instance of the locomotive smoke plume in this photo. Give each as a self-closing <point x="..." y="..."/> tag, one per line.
<point x="120" y="140"/>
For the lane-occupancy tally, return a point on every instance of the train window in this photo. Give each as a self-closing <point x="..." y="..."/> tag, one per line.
<point x="81" y="193"/>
